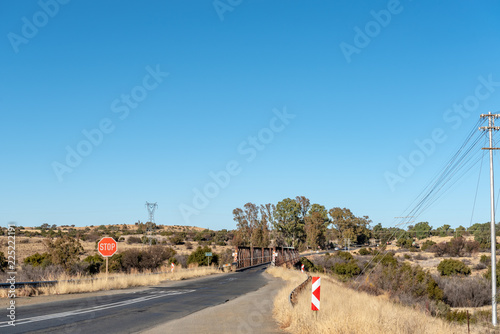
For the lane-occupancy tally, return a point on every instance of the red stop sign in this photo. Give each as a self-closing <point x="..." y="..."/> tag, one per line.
<point x="107" y="246"/>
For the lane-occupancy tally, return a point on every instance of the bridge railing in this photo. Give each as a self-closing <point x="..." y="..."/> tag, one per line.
<point x="252" y="256"/>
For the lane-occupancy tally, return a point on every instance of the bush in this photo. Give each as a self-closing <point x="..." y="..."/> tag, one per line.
<point x="488" y="273"/>
<point x="198" y="256"/>
<point x="427" y="244"/>
<point x="458" y="316"/>
<point x="404" y="242"/>
<point x="38" y="260"/>
<point x="150" y="259"/>
<point x="364" y="251"/>
<point x="485" y="259"/>
<point x="134" y="240"/>
<point x="457" y="247"/>
<point x="451" y="267"/>
<point x="64" y="251"/>
<point x="344" y="255"/>
<point x="410" y="284"/>
<point x="308" y="265"/>
<point x="95" y="262"/>
<point x="177" y="239"/>
<point x="407" y="257"/>
<point x="347" y="270"/>
<point x="385" y="259"/>
<point x="465" y="291"/>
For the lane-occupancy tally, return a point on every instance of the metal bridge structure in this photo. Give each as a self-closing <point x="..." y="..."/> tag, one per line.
<point x="245" y="257"/>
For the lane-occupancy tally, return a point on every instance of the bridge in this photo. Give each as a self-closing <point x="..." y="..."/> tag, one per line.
<point x="246" y="257"/>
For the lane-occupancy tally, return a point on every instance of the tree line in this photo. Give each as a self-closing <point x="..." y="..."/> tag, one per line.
<point x="297" y="223"/>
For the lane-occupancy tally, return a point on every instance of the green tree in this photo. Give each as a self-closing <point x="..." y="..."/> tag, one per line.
<point x="460" y="231"/>
<point x="444" y="230"/>
<point x="287" y="221"/>
<point x="315" y="228"/>
<point x="343" y="221"/>
<point x="348" y="226"/>
<point x="481" y="233"/>
<point x="422" y="230"/>
<point x="198" y="256"/>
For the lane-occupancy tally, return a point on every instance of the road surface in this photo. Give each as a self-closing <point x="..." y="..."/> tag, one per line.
<point x="138" y="311"/>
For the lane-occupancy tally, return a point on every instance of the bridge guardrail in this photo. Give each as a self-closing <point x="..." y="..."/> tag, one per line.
<point x="293" y="295"/>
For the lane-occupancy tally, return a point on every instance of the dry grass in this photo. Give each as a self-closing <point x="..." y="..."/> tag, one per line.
<point x="114" y="282"/>
<point x="27" y="246"/>
<point x="347" y="311"/>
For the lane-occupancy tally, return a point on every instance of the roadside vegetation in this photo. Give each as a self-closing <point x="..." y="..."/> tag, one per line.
<point x="345" y="310"/>
<point x="79" y="284"/>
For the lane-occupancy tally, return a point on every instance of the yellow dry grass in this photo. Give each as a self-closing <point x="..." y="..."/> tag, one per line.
<point x="114" y="282"/>
<point x="347" y="311"/>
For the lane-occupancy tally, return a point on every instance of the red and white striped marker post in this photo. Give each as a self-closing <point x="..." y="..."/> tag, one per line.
<point x="172" y="267"/>
<point x="235" y="255"/>
<point x="302" y="268"/>
<point x="316" y="286"/>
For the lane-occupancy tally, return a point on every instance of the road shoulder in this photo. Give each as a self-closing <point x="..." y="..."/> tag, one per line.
<point x="250" y="313"/>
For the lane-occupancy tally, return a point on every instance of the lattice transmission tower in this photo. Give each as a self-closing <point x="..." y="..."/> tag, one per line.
<point x="151" y="222"/>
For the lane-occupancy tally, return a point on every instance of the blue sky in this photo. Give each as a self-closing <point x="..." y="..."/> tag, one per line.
<point x="222" y="71"/>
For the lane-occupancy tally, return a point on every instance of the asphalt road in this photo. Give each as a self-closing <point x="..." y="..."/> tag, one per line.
<point x="134" y="312"/>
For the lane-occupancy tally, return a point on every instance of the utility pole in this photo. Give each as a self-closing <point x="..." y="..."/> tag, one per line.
<point x="149" y="225"/>
<point x="491" y="126"/>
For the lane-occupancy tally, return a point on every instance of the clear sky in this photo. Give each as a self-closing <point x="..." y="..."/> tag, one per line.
<point x="108" y="104"/>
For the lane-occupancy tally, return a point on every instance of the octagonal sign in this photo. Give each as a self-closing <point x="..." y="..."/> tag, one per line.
<point x="107" y="246"/>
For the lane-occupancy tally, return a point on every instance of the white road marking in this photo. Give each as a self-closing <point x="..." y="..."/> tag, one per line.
<point x="95" y="308"/>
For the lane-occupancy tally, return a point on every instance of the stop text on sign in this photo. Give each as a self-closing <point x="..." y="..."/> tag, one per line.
<point x="107" y="247"/>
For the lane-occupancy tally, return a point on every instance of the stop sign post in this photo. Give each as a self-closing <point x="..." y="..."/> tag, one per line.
<point x="106" y="247"/>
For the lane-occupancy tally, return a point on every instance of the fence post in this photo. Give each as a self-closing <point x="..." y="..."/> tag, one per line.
<point x="251" y="256"/>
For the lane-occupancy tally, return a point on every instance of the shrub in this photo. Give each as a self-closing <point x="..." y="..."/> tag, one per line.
<point x="309" y="266"/>
<point x="488" y="274"/>
<point x="64" y="251"/>
<point x="344" y="255"/>
<point x="450" y="267"/>
<point x="95" y="262"/>
<point x="150" y="259"/>
<point x="38" y="260"/>
<point x="410" y="284"/>
<point x="347" y="270"/>
<point x="458" y="316"/>
<point x="457" y="247"/>
<point x="177" y="239"/>
<point x="485" y="259"/>
<point x="465" y="291"/>
<point x="198" y="256"/>
<point x="385" y="259"/>
<point x="407" y="256"/>
<point x="439" y="249"/>
<point x="364" y="251"/>
<point x="427" y="244"/>
<point x="134" y="240"/>
<point x="404" y="242"/>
